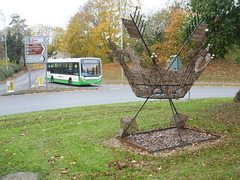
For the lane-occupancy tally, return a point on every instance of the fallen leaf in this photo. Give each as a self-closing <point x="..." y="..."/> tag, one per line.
<point x="64" y="172"/>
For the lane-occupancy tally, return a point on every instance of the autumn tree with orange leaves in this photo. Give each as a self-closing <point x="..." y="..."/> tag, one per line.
<point x="165" y="33"/>
<point x="97" y="21"/>
<point x="171" y="35"/>
<point x="89" y="29"/>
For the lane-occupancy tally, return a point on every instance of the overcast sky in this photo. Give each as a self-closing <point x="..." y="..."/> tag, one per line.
<point x="52" y="12"/>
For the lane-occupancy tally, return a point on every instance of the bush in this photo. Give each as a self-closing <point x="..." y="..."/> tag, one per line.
<point x="2" y="77"/>
<point x="237" y="97"/>
<point x="15" y="68"/>
<point x="12" y="68"/>
<point x="4" y="72"/>
<point x="10" y="71"/>
<point x="237" y="60"/>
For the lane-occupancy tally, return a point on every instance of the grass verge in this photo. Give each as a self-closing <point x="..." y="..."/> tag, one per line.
<point x="68" y="143"/>
<point x="44" y="90"/>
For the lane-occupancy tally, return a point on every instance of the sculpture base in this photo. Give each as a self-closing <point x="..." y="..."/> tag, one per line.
<point x="161" y="139"/>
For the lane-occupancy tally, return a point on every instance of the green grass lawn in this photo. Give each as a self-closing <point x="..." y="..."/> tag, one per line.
<point x="68" y="143"/>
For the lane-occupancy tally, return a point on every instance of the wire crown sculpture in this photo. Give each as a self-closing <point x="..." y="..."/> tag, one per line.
<point x="157" y="82"/>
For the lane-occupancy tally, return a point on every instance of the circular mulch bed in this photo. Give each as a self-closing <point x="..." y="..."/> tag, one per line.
<point x="158" y="140"/>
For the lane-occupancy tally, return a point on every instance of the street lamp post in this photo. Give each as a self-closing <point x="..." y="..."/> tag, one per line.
<point x="5" y="39"/>
<point x="121" y="16"/>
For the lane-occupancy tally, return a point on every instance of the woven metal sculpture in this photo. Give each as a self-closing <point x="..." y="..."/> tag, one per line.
<point x="157" y="82"/>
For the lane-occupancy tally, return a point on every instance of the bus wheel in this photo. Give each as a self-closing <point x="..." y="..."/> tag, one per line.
<point x="52" y="79"/>
<point x="70" y="81"/>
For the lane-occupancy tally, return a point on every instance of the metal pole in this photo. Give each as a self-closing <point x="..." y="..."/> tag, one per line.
<point x="121" y="32"/>
<point x="174" y="115"/>
<point x="5" y="35"/>
<point x="5" y="39"/>
<point x="137" y="113"/>
<point x="141" y="108"/>
<point x="29" y="73"/>
<point x="46" y="75"/>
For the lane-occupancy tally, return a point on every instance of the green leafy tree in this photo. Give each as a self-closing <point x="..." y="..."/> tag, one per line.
<point x="223" y="18"/>
<point x="16" y="32"/>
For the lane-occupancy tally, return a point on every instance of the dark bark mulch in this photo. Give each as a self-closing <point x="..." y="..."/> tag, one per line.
<point x="158" y="140"/>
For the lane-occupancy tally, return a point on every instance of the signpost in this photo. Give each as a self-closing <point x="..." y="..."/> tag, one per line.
<point x="35" y="49"/>
<point x="36" y="52"/>
<point x="175" y="63"/>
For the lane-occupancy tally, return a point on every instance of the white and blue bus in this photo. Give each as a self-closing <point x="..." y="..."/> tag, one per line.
<point x="75" y="71"/>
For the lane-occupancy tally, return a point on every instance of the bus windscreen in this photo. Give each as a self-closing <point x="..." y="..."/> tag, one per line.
<point x="90" y="68"/>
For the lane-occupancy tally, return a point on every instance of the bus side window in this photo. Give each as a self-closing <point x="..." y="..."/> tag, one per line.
<point x="60" y="68"/>
<point x="70" y="68"/>
<point x="56" y="70"/>
<point x="49" y="67"/>
<point x="65" y="68"/>
<point x="75" y="69"/>
<point x="52" y="67"/>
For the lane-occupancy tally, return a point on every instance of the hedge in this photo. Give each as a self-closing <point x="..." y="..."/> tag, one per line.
<point x="13" y="68"/>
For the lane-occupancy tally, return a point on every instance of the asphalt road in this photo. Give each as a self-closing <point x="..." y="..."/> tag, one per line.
<point x="21" y="82"/>
<point x="85" y="96"/>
